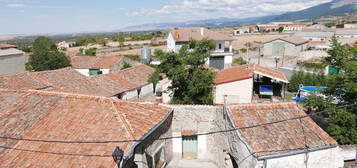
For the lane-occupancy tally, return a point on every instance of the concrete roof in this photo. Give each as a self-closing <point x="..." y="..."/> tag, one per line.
<point x="281" y="137"/>
<point x="52" y="116"/>
<point x="293" y="40"/>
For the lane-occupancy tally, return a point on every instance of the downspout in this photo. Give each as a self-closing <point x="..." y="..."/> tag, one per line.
<point x="136" y="143"/>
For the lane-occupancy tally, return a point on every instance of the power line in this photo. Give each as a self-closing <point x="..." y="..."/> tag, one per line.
<point x="165" y="138"/>
<point x="173" y="137"/>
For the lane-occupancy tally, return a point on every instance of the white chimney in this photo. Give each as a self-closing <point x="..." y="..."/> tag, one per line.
<point x="201" y="31"/>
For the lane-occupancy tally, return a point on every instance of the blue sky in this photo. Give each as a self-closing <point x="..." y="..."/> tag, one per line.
<point x="68" y="16"/>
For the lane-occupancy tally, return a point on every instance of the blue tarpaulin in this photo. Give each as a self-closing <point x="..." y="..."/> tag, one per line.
<point x="266" y="90"/>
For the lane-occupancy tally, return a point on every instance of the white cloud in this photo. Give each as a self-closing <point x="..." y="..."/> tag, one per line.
<point x="17" y="5"/>
<point x="203" y="9"/>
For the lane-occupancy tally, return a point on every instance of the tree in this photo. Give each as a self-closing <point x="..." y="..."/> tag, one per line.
<point x="340" y="123"/>
<point x="281" y="29"/>
<point x="46" y="56"/>
<point x="81" y="41"/>
<point x="101" y="41"/>
<point x="192" y="82"/>
<point x="239" y="61"/>
<point x="120" y="38"/>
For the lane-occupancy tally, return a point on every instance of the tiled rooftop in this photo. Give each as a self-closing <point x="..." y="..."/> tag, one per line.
<point x="124" y="80"/>
<point x="95" y="62"/>
<point x="245" y="72"/>
<point x="186" y="34"/>
<point x="55" y="116"/>
<point x="65" y="80"/>
<point x="279" y="137"/>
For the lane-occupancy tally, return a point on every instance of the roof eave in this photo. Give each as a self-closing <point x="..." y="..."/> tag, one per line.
<point x="295" y="152"/>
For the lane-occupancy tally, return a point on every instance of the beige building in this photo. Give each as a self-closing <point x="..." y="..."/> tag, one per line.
<point x="290" y="46"/>
<point x="246" y="84"/>
<point x="12" y="60"/>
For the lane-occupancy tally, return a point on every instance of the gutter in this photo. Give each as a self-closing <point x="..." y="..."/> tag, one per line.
<point x="136" y="143"/>
<point x="296" y="152"/>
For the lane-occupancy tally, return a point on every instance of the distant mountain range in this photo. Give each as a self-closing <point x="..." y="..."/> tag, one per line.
<point x="334" y="8"/>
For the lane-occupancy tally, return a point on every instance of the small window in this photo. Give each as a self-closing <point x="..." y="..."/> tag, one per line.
<point x="93" y="72"/>
<point x="219" y="46"/>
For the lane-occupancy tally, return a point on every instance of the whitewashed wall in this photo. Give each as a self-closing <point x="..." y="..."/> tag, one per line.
<point x="237" y="92"/>
<point x="171" y="44"/>
<point x="146" y="90"/>
<point x="328" y="158"/>
<point x="12" y="64"/>
<point x="130" y="95"/>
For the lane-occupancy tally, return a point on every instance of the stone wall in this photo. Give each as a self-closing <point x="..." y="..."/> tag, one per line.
<point x="12" y="64"/>
<point x="146" y="150"/>
<point x="200" y="120"/>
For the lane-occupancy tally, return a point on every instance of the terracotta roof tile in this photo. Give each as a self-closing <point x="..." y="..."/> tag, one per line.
<point x="124" y="80"/>
<point x="186" y="34"/>
<point x="68" y="117"/>
<point x="245" y="72"/>
<point x="279" y="137"/>
<point x="6" y="46"/>
<point x="64" y="80"/>
<point x="95" y="62"/>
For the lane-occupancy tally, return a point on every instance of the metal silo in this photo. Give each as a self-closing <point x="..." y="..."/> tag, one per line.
<point x="145" y="55"/>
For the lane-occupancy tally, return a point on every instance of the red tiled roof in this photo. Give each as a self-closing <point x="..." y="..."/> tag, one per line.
<point x="279" y="137"/>
<point x="64" y="80"/>
<point x="68" y="117"/>
<point x="186" y="34"/>
<point x="95" y="62"/>
<point x="124" y="80"/>
<point x="6" y="46"/>
<point x="245" y="72"/>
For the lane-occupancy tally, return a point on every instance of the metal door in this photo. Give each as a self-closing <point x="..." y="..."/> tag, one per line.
<point x="217" y="62"/>
<point x="189" y="147"/>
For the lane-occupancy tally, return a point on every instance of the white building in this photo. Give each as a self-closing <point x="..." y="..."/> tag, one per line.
<point x="12" y="60"/>
<point x="239" y="84"/>
<point x="222" y="56"/>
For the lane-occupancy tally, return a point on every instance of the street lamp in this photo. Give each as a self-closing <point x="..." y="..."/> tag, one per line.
<point x="118" y="155"/>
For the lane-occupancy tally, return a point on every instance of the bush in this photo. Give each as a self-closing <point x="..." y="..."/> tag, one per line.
<point x="239" y="61"/>
<point x="91" y="51"/>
